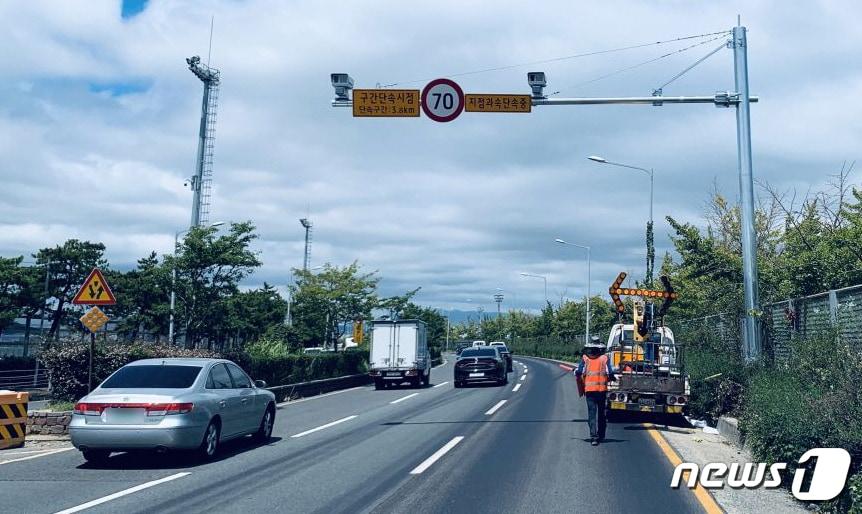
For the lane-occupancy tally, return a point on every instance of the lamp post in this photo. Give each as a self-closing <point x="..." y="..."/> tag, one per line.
<point x="498" y="297"/>
<point x="174" y="277"/>
<point x="544" y="279"/>
<point x="588" y="249"/>
<point x="649" y="234"/>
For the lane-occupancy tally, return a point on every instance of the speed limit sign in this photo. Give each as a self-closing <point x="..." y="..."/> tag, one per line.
<point x="442" y="100"/>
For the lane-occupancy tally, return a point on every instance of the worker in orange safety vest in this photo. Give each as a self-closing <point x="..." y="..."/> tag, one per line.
<point x="596" y="371"/>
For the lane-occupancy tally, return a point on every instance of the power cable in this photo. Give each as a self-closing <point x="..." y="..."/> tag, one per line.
<point x="638" y="65"/>
<point x="556" y="59"/>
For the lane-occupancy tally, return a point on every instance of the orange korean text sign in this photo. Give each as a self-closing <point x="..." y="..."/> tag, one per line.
<point x="497" y="103"/>
<point x="386" y="103"/>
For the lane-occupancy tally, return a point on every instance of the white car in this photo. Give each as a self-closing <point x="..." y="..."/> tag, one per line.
<point x="480" y="343"/>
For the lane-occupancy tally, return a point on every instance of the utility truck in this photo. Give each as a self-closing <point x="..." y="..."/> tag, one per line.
<point x="399" y="353"/>
<point x="645" y="355"/>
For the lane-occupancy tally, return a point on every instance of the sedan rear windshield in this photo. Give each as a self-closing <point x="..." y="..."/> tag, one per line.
<point x="479" y="352"/>
<point x="153" y="377"/>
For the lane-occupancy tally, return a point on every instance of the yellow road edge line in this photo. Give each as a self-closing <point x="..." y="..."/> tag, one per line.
<point x="704" y="497"/>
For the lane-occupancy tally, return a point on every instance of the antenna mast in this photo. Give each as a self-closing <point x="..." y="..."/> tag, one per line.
<point x="202" y="180"/>
<point x="305" y="222"/>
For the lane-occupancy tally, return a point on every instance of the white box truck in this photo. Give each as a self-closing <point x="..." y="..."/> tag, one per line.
<point x="399" y="353"/>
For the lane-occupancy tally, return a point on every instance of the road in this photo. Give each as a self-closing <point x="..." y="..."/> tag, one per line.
<point x="519" y="448"/>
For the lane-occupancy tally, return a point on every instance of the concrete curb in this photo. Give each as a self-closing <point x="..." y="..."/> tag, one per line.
<point x="728" y="428"/>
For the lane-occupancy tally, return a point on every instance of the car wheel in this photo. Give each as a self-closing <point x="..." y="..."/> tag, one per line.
<point x="378" y="386"/>
<point x="209" y="445"/>
<point x="505" y="379"/>
<point x="458" y="385"/>
<point x="96" y="456"/>
<point x="264" y="432"/>
<point x="426" y="381"/>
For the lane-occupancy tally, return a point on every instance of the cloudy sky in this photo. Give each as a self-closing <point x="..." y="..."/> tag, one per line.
<point x="99" y="114"/>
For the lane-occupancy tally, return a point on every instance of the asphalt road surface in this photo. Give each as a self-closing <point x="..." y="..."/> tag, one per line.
<point x="519" y="448"/>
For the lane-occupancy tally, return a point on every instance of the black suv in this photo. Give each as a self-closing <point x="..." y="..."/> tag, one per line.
<point x="480" y="364"/>
<point x="504" y="351"/>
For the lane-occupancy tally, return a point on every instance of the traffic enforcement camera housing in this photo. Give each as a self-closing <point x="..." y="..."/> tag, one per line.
<point x="343" y="83"/>
<point x="537" y="82"/>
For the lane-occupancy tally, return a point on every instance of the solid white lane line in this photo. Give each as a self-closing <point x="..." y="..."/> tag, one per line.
<point x="403" y="398"/>
<point x="526" y="369"/>
<point x="441" y="384"/>
<point x="436" y="456"/>
<point x="321" y="427"/>
<point x="523" y="377"/>
<point x="291" y="402"/>
<point x="441" y="364"/>
<point x="122" y="493"/>
<point x="515" y="389"/>
<point x="495" y="408"/>
<point x="50" y="452"/>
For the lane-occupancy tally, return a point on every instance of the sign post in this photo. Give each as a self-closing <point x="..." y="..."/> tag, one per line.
<point x="94" y="291"/>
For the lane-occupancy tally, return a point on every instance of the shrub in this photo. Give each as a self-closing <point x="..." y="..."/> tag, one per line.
<point x="291" y="369"/>
<point x="815" y="400"/>
<point x="267" y="348"/>
<point x="68" y="363"/>
<point x="548" y="348"/>
<point x="780" y="418"/>
<point x="717" y="382"/>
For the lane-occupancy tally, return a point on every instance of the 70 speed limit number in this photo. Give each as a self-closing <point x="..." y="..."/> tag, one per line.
<point x="442" y="100"/>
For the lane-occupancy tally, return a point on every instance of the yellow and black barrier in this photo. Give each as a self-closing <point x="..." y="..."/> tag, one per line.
<point x="13" y="418"/>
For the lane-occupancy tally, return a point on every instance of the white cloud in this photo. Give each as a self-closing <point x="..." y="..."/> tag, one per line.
<point x="458" y="208"/>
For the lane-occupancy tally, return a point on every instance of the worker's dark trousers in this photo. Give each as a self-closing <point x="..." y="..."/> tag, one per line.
<point x="596" y="411"/>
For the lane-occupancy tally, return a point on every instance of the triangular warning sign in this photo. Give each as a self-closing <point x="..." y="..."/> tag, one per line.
<point x="95" y="291"/>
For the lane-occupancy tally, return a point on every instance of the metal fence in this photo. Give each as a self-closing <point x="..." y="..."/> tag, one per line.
<point x="836" y="311"/>
<point x="24" y="379"/>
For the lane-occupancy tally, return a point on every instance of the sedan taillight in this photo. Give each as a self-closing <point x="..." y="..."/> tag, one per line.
<point x="89" y="409"/>
<point x="152" y="409"/>
<point x="163" y="409"/>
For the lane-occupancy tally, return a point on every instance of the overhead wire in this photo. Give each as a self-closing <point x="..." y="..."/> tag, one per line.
<point x="557" y="59"/>
<point x="638" y="65"/>
<point x="683" y="72"/>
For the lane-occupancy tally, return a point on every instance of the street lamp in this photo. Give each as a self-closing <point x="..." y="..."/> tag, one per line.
<point x="174" y="277"/>
<point x="650" y="248"/>
<point x="588" y="249"/>
<point x="544" y="278"/>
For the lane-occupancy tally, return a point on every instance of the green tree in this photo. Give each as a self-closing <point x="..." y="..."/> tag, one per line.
<point x="69" y="263"/>
<point x="435" y="323"/>
<point x="209" y="268"/>
<point x="143" y="298"/>
<point x="325" y="303"/>
<point x="10" y="287"/>
<point x="397" y="304"/>
<point x="253" y="313"/>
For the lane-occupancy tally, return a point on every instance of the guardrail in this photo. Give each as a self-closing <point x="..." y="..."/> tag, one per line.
<point x="314" y="387"/>
<point x="24" y="379"/>
<point x="287" y="392"/>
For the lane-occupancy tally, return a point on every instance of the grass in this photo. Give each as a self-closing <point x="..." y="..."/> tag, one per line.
<point x="60" y="406"/>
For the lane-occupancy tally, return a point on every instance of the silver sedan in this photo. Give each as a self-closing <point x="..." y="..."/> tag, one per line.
<point x="162" y="404"/>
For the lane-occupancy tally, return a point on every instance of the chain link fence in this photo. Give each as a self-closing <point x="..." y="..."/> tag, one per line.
<point x="838" y="311"/>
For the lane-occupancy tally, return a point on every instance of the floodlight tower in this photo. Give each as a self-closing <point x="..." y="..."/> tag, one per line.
<point x="201" y="182"/>
<point x="305" y="222"/>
